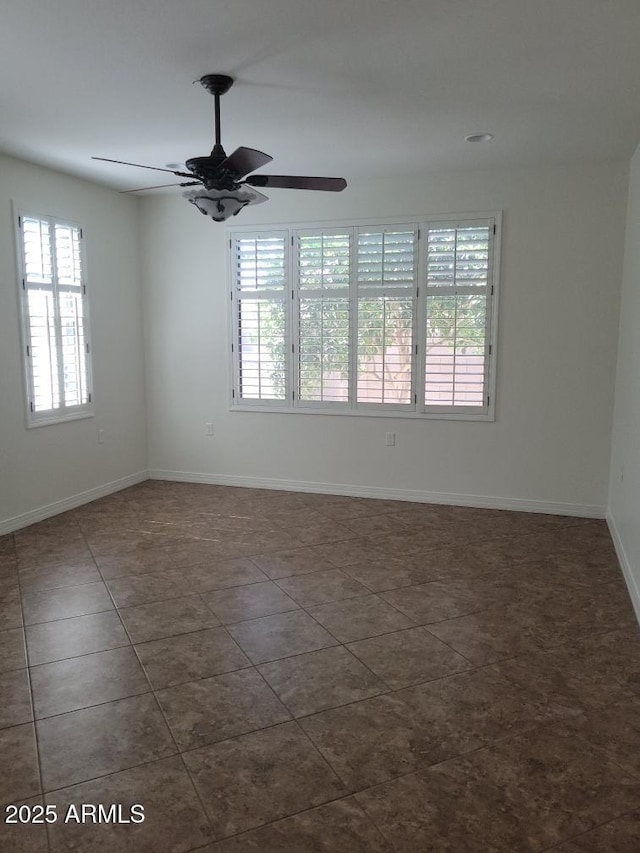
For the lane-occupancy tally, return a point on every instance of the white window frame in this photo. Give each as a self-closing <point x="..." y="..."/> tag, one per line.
<point x="62" y="413"/>
<point x="417" y="409"/>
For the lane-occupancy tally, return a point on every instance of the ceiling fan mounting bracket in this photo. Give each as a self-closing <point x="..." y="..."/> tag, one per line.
<point x="216" y="84"/>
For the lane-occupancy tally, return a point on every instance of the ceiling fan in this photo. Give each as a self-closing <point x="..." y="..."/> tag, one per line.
<point x="226" y="185"/>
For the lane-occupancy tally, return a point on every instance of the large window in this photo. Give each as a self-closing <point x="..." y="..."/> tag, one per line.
<point x="54" y="312"/>
<point x="397" y="318"/>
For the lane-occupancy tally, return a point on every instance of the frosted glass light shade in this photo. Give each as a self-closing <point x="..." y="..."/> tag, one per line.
<point x="222" y="204"/>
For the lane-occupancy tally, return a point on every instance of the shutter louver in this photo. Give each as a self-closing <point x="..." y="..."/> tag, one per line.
<point x="386" y="287"/>
<point x="458" y="275"/>
<point x="323" y="276"/>
<point x="260" y="278"/>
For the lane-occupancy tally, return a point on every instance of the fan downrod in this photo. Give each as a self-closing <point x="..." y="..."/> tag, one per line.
<point x="216" y="84"/>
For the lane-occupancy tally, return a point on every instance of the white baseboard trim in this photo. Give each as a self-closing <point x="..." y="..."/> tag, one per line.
<point x="480" y="501"/>
<point x="632" y="584"/>
<point x="49" y="510"/>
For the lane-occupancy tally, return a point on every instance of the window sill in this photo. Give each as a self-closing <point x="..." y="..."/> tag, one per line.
<point x="487" y="416"/>
<point x="59" y="419"/>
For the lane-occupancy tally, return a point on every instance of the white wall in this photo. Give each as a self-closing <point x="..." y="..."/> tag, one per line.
<point x="624" y="495"/>
<point x="561" y="271"/>
<point x="55" y="463"/>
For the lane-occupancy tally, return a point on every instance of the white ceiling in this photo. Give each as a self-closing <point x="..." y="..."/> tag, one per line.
<point x="336" y="87"/>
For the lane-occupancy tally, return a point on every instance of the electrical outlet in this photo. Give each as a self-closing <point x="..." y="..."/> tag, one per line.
<point x="208" y="428"/>
<point x="390" y="440"/>
<point x="100" y="436"/>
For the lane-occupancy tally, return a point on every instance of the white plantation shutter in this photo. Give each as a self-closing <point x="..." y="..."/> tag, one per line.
<point x="366" y="319"/>
<point x="459" y="272"/>
<point x="259" y="294"/>
<point x="55" y="318"/>
<point x="323" y="274"/>
<point x="386" y="293"/>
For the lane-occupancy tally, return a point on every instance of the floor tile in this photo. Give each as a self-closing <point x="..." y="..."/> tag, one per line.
<point x="79" y="682"/>
<point x="221" y="707"/>
<point x="9" y="582"/>
<point x="342" y="507"/>
<point x="249" y="602"/>
<point x="52" y="604"/>
<point x="350" y="551"/>
<point x="260" y="777"/>
<point x="161" y="619"/>
<point x="143" y="589"/>
<point x="552" y="784"/>
<point x="591" y="673"/>
<point x="145" y="562"/>
<point x="294" y="561"/>
<point x="80" y="635"/>
<point x="322" y="587"/>
<point x="19" y="778"/>
<point x="221" y="575"/>
<point x="186" y="657"/>
<point x="357" y="618"/>
<point x="319" y="532"/>
<point x="375" y="525"/>
<point x="390" y="573"/>
<point x="46" y="554"/>
<point x="173" y="816"/>
<point x="10" y="610"/>
<point x="24" y="837"/>
<point x="407" y="542"/>
<point x="440" y="600"/>
<point x="619" y="836"/>
<point x="338" y="827"/>
<point x="283" y="635"/>
<point x="616" y="730"/>
<point x="372" y="741"/>
<point x="408" y="657"/>
<point x="15" y="698"/>
<point x="12" y="651"/>
<point x="322" y="679"/>
<point x="491" y="635"/>
<point x="34" y="580"/>
<point x="441" y="810"/>
<point x="96" y="741"/>
<point x="466" y="710"/>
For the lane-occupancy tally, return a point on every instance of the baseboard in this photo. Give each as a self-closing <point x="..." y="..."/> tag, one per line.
<point x="452" y="499"/>
<point x="632" y="584"/>
<point x="49" y="510"/>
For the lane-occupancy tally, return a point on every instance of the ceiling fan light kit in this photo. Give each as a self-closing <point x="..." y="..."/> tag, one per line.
<point x="222" y="204"/>
<point x="226" y="183"/>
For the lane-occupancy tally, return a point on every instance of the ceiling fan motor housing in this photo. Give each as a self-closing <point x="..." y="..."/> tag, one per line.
<point x="207" y="169"/>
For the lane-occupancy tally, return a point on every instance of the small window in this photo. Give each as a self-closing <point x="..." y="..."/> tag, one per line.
<point x="55" y="319"/>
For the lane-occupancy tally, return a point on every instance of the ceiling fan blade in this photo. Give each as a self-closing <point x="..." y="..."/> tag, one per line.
<point x="160" y="186"/>
<point x="245" y="160"/>
<point x="297" y="182"/>
<point x="140" y="166"/>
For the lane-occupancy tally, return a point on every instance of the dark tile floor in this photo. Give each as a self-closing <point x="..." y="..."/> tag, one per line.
<point x="291" y="673"/>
